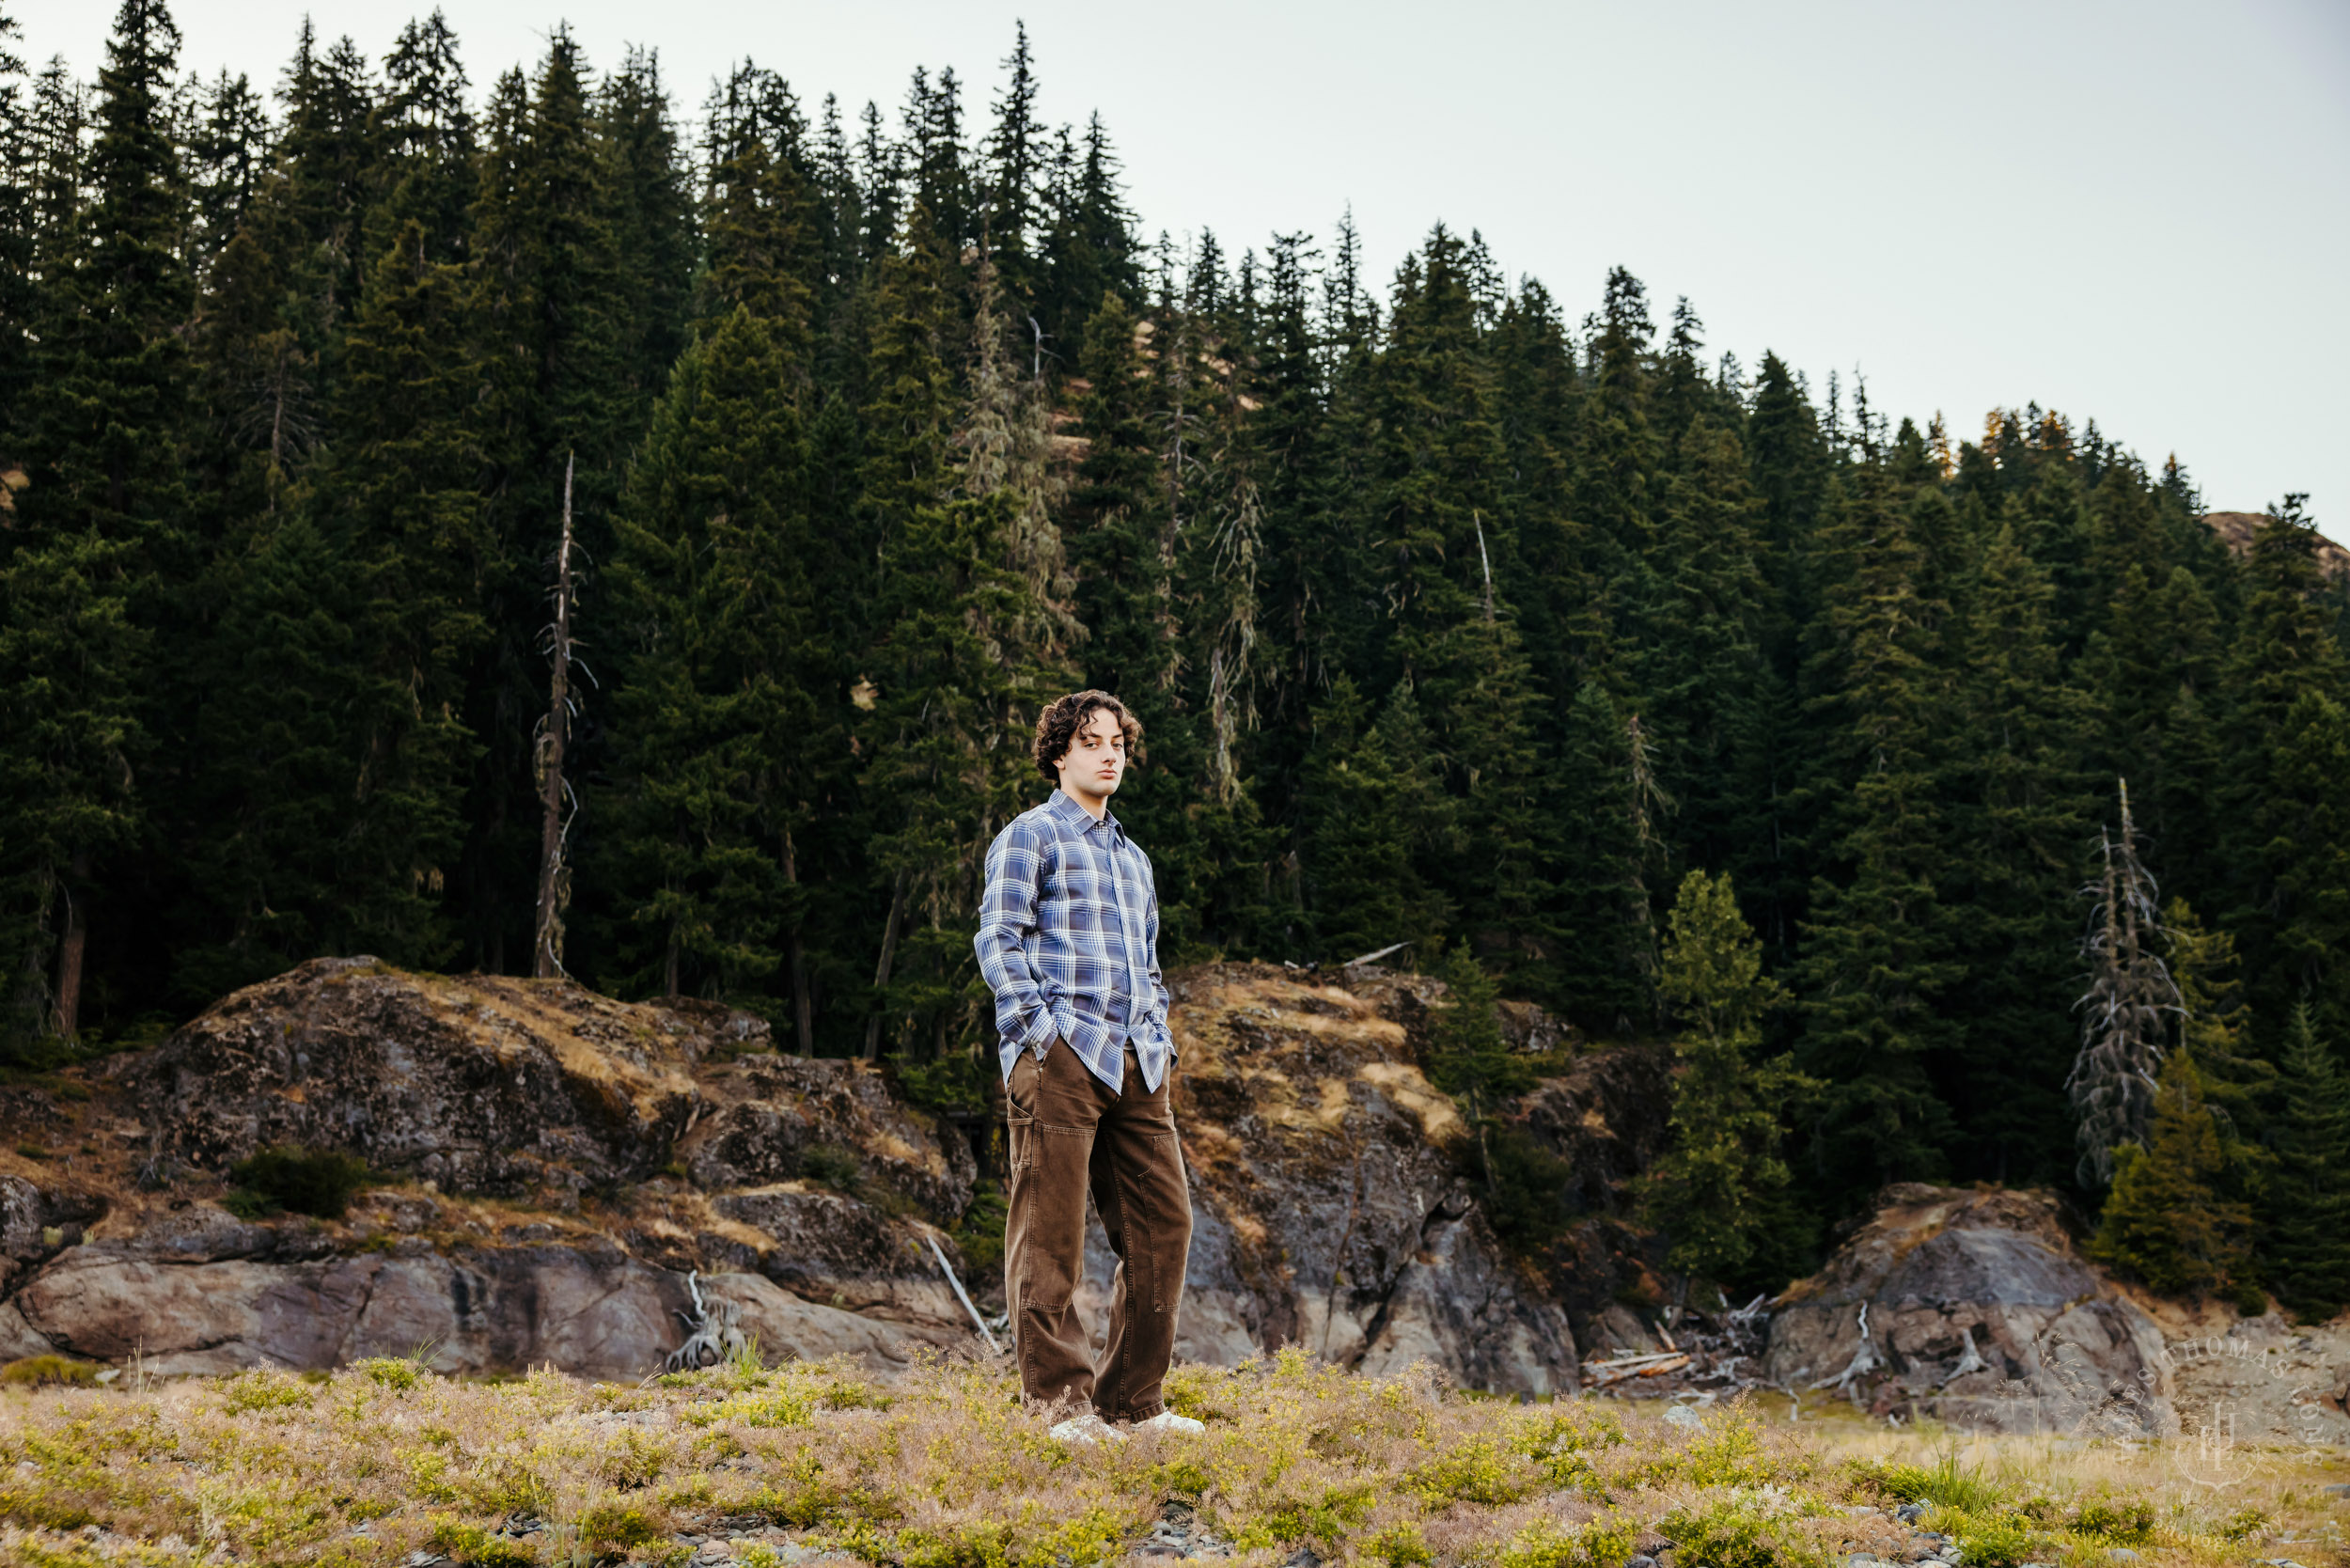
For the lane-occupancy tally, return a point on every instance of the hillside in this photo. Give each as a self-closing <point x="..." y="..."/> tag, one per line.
<point x="546" y="1166"/>
<point x="554" y="1177"/>
<point x="2237" y="529"/>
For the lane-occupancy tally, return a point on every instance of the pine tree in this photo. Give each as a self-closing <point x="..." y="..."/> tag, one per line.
<point x="552" y="340"/>
<point x="1698" y="660"/>
<point x="1606" y="964"/>
<point x="328" y="156"/>
<point x="2307" y="1252"/>
<point x="713" y="578"/>
<point x="16" y="222"/>
<point x="71" y="655"/>
<point x="1616" y="468"/>
<point x="105" y="546"/>
<point x="1090" y="251"/>
<point x="2166" y="1221"/>
<point x="969" y="648"/>
<point x="1378" y="827"/>
<point x="2286" y="791"/>
<point x="1435" y="483"/>
<point x="950" y="686"/>
<point x="1718" y="1192"/>
<point x="1467" y="1057"/>
<point x="1876" y="956"/>
<point x="2017" y="808"/>
<point x="652" y="222"/>
<point x="423" y="132"/>
<point x="1009" y="197"/>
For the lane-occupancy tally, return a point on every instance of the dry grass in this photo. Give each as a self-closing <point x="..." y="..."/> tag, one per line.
<point x="944" y="1469"/>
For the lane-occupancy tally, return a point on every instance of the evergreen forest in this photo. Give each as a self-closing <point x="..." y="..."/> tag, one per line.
<point x="1960" y="803"/>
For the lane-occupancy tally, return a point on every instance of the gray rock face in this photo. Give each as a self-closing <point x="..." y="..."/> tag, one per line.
<point x="481" y="1085"/>
<point x="830" y="1249"/>
<point x="1979" y="1313"/>
<point x="37" y="1222"/>
<point x="598" y="1315"/>
<point x="772" y="1118"/>
<point x="1328" y="1212"/>
<point x="648" y="1140"/>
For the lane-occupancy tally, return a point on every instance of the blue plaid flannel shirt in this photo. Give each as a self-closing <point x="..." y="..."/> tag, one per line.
<point x="1069" y="939"/>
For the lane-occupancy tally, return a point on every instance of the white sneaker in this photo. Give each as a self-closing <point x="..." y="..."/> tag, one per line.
<point x="1087" y="1428"/>
<point x="1166" y="1421"/>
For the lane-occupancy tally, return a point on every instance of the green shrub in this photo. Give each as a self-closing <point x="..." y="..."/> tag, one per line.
<point x="2242" y="1523"/>
<point x="471" y="1544"/>
<point x="980" y="1232"/>
<point x="40" y="1507"/>
<point x="615" y="1523"/>
<point x="2124" y="1524"/>
<point x="1899" y="1483"/>
<point x="1399" y="1546"/>
<point x="1600" y="1544"/>
<point x="397" y="1372"/>
<point x="264" y="1390"/>
<point x="296" y="1181"/>
<point x="1734" y="1533"/>
<point x="1996" y="1543"/>
<point x="1326" y="1518"/>
<point x="832" y="1166"/>
<point x="1479" y="1470"/>
<point x="34" y="1371"/>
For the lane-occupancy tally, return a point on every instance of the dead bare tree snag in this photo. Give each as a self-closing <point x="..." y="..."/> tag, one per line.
<point x="555" y="877"/>
<point x="2126" y="1010"/>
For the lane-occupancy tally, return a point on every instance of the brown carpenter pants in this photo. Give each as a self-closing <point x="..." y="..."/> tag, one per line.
<point x="1071" y="1134"/>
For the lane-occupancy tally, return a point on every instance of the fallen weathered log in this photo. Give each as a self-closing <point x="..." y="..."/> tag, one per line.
<point x="1600" y="1374"/>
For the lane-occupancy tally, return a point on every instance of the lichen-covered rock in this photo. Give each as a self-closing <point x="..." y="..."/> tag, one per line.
<point x="1329" y="1213"/>
<point x="560" y="1161"/>
<point x="1979" y="1313"/>
<point x="480" y="1083"/>
<point x="831" y="1249"/>
<point x="595" y="1313"/>
<point x="771" y="1118"/>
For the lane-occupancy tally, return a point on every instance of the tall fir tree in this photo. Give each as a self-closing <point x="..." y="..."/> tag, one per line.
<point x="2285" y="790"/>
<point x="103" y="547"/>
<point x="2017" y="808"/>
<point x="554" y="408"/>
<point x="1720" y="1191"/>
<point x="2307" y="1252"/>
<point x="1877" y="953"/>
<point x="2168" y="1220"/>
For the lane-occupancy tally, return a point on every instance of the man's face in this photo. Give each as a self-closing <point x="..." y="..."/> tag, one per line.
<point x="1097" y="756"/>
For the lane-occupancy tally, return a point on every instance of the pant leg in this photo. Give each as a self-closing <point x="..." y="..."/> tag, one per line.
<point x="1145" y="1203"/>
<point x="1052" y="1110"/>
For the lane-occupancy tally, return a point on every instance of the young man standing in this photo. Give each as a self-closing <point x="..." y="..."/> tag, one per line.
<point x="1069" y="935"/>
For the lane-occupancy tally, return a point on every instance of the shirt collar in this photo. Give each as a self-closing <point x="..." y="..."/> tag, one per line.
<point x="1082" y="820"/>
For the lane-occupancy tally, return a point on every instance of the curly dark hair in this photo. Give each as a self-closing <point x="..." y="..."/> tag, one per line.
<point x="1057" y="726"/>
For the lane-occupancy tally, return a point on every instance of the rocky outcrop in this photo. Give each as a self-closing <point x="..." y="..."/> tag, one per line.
<point x="550" y="1165"/>
<point x="478" y="1085"/>
<point x="478" y="1288"/>
<point x="768" y="1118"/>
<point x="1975" y="1308"/>
<point x="1329" y="1209"/>
<point x="2238" y="530"/>
<point x="596" y="1313"/>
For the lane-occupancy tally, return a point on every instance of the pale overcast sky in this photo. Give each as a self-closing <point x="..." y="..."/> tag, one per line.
<point x="2138" y="212"/>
